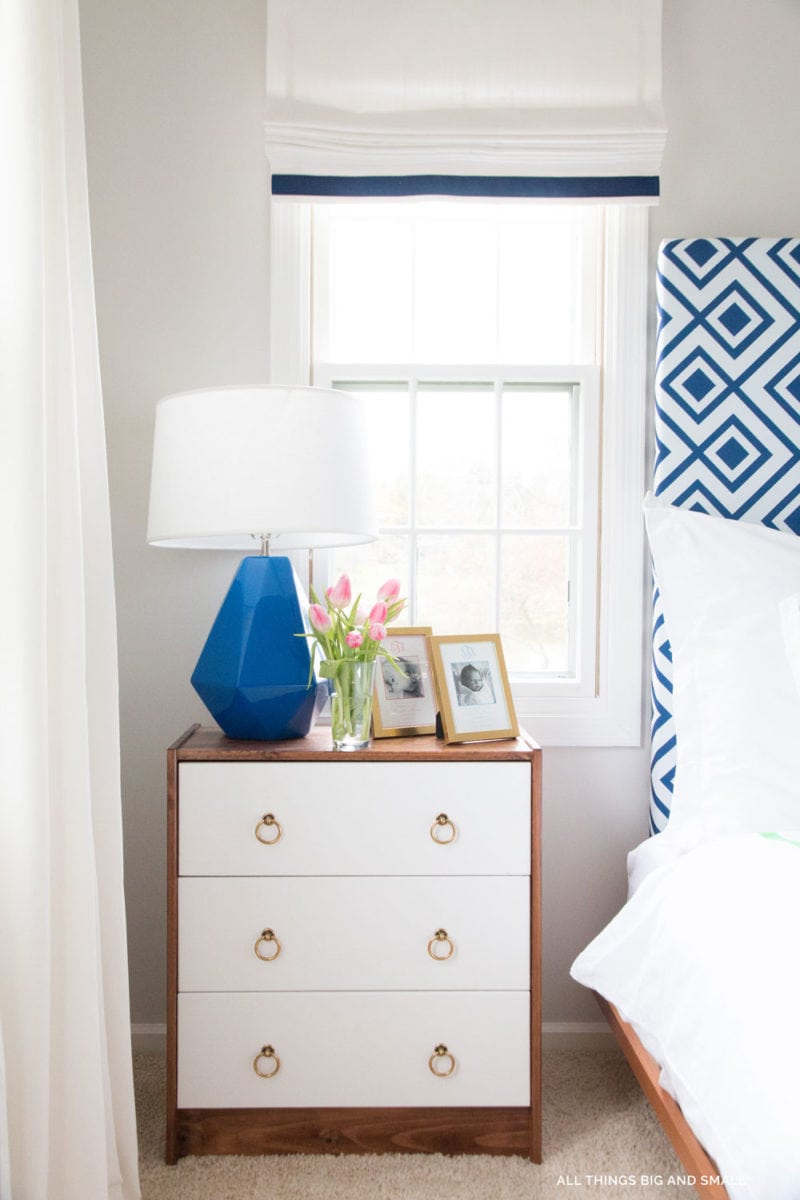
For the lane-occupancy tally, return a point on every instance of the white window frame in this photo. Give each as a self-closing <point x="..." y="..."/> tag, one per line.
<point x="611" y="715"/>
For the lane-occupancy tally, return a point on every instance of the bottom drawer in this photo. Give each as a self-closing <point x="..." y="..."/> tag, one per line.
<point x="360" y="1049"/>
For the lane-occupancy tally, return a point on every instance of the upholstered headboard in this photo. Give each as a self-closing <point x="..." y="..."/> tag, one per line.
<point x="727" y="413"/>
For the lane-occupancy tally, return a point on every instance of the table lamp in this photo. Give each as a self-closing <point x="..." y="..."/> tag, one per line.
<point x="265" y="469"/>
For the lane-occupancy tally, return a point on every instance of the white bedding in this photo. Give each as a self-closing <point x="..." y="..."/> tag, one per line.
<point x="704" y="962"/>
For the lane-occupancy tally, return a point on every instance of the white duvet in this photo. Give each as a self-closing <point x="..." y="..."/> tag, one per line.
<point x="704" y="962"/>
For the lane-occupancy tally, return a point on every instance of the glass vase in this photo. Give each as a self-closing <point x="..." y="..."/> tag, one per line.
<point x="351" y="704"/>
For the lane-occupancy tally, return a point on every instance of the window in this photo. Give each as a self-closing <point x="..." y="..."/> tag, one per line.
<point x="486" y="472"/>
<point x="492" y="346"/>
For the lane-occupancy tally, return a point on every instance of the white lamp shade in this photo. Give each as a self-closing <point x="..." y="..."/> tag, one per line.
<point x="231" y="465"/>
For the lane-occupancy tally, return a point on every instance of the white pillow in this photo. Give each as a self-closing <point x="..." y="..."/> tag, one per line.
<point x="737" y="710"/>
<point x="790" y="624"/>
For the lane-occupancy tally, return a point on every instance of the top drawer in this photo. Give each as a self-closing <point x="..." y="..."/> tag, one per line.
<point x="356" y="818"/>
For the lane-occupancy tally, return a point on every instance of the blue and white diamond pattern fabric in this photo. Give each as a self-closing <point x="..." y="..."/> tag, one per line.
<point x="727" y="413"/>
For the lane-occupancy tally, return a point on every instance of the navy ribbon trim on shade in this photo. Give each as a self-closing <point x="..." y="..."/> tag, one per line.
<point x="564" y="187"/>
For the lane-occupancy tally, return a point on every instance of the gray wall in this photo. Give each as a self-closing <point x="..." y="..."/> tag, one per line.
<point x="173" y="95"/>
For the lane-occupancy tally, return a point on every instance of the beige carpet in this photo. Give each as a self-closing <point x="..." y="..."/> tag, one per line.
<point x="597" y="1126"/>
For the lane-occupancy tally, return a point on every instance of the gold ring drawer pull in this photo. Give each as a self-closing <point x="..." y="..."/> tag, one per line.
<point x="267" y="939"/>
<point x="440" y="938"/>
<point x="268" y="1055"/>
<point x="269" y="822"/>
<point x="438" y="828"/>
<point x="443" y="1057"/>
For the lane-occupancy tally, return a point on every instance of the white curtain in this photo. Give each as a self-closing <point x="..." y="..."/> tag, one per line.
<point x="489" y="87"/>
<point x="67" y="1123"/>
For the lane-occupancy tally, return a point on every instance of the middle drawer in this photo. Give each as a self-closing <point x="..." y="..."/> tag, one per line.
<point x="354" y="933"/>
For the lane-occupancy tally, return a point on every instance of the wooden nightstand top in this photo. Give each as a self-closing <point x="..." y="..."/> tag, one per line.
<point x="205" y="744"/>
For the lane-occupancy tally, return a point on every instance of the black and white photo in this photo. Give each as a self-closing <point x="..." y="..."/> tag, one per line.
<point x="472" y="687"/>
<point x="405" y="702"/>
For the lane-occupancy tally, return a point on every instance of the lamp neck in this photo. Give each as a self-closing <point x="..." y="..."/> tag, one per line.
<point x="265" y="544"/>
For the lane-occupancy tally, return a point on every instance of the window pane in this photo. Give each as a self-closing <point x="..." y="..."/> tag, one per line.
<point x="456" y="459"/>
<point x="537" y="456"/>
<point x="449" y="282"/>
<point x="388" y="417"/>
<point x="455" y="591"/>
<point x="370" y="565"/>
<point x="455" y="295"/>
<point x="369" y="309"/>
<point x="534" y="615"/>
<point x="540" y="286"/>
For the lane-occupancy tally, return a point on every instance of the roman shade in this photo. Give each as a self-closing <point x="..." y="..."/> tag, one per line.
<point x="465" y="97"/>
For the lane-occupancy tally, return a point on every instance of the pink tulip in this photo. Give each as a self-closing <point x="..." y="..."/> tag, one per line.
<point x="340" y="594"/>
<point x="319" y="618"/>
<point x="378" y="613"/>
<point x="389" y="591"/>
<point x="377" y="631"/>
<point x="353" y="639"/>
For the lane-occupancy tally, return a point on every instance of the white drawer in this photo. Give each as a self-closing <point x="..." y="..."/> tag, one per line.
<point x="344" y="1049"/>
<point x="356" y="933"/>
<point x="355" y="818"/>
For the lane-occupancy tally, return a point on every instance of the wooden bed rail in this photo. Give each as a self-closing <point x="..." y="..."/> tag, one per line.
<point x="647" y="1071"/>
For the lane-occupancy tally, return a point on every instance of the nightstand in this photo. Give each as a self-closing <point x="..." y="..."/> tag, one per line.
<point x="353" y="947"/>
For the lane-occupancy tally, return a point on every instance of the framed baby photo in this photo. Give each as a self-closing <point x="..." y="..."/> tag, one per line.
<point x="405" y="698"/>
<point x="472" y="688"/>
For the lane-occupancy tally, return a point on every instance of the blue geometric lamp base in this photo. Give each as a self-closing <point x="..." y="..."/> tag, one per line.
<point x="253" y="673"/>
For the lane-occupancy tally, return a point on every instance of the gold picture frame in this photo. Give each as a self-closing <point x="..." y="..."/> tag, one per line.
<point x="405" y="705"/>
<point x="472" y="687"/>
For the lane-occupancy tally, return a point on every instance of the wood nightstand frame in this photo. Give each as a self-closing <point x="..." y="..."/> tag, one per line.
<point x="456" y="1130"/>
